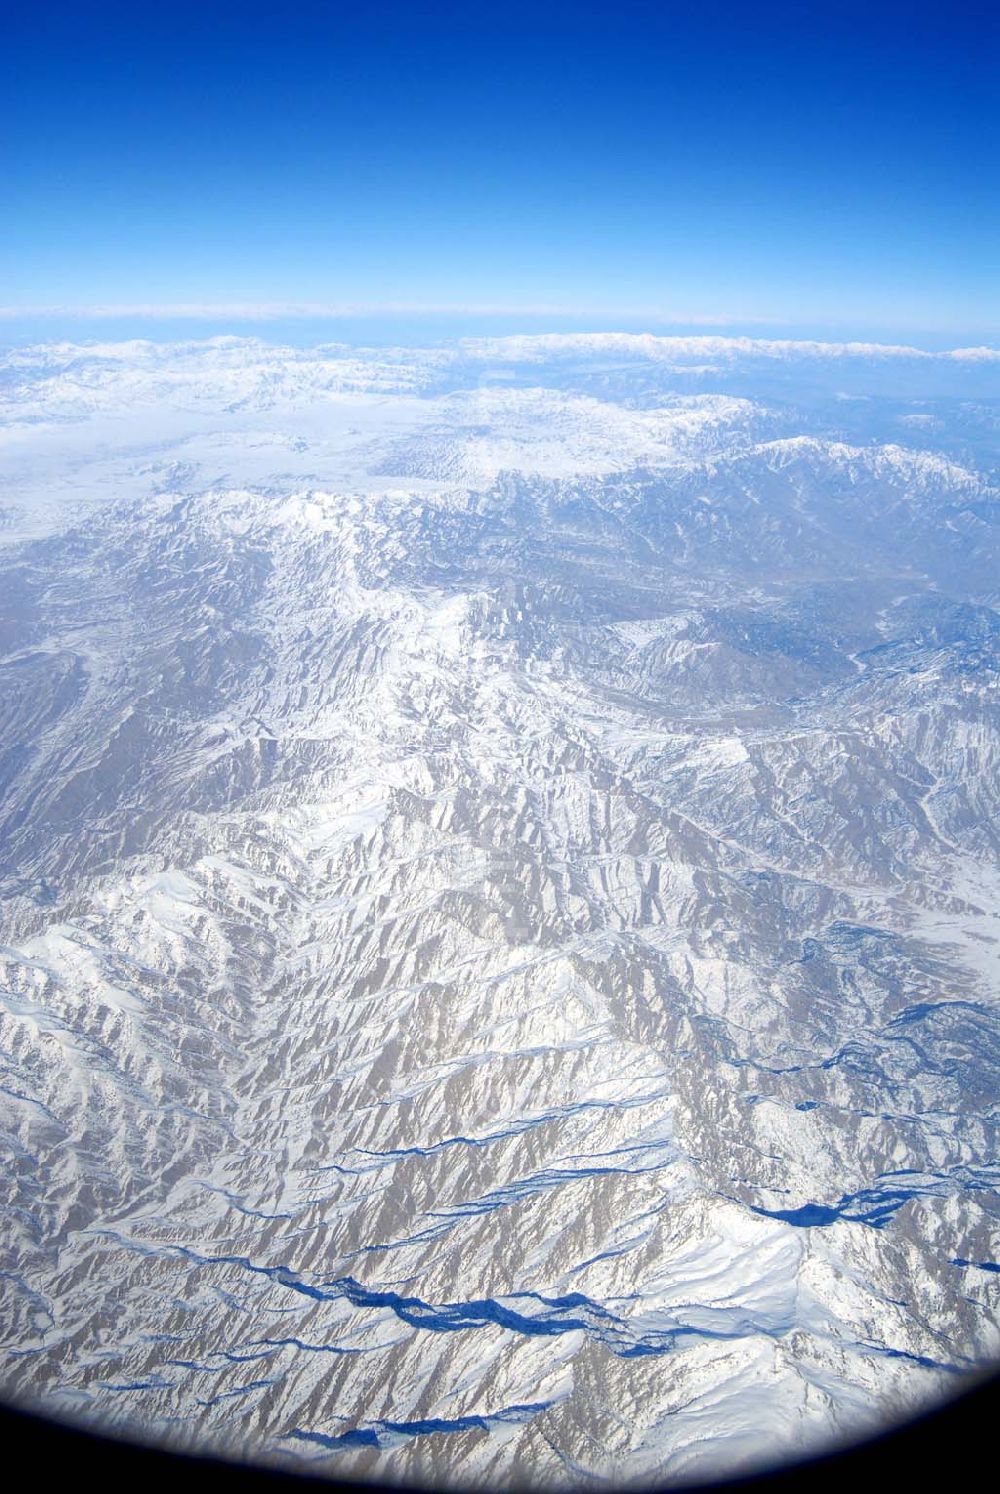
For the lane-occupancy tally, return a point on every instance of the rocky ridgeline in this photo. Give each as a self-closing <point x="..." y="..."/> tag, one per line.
<point x="500" y="975"/>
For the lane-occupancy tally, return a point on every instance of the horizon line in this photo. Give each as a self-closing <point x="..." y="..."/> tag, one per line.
<point x="337" y="310"/>
<point x="264" y="311"/>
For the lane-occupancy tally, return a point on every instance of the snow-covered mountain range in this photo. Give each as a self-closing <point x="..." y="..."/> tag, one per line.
<point x="500" y="876"/>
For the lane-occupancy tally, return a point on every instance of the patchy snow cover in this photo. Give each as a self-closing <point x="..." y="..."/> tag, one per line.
<point x="501" y="897"/>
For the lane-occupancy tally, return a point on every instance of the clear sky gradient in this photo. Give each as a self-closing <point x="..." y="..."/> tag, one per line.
<point x="793" y="165"/>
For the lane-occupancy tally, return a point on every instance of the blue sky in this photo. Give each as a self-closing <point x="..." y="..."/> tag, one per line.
<point x="776" y="165"/>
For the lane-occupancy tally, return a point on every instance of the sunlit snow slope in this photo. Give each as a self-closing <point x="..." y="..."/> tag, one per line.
<point x="500" y="878"/>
